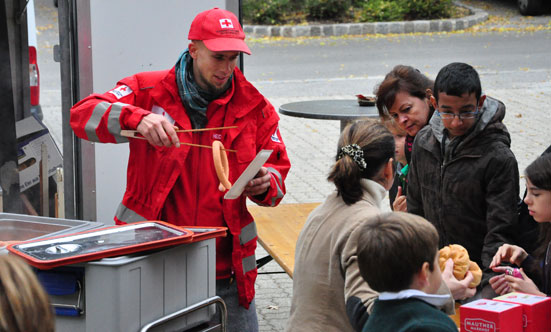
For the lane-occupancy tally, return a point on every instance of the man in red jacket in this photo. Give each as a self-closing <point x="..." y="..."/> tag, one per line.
<point x="177" y="182"/>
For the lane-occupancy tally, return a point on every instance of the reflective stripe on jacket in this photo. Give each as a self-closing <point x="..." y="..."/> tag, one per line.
<point x="153" y="171"/>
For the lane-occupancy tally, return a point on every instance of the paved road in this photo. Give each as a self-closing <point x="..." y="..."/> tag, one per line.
<point x="512" y="54"/>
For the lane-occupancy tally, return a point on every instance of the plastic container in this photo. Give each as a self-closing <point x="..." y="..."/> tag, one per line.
<point x="127" y="292"/>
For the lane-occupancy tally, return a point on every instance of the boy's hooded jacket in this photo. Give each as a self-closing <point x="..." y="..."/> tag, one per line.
<point x="468" y="187"/>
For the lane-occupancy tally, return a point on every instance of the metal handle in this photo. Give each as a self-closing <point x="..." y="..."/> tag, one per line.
<point x="199" y="305"/>
<point x="77" y="308"/>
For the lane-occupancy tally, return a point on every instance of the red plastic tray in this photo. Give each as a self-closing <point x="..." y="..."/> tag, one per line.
<point x="203" y="233"/>
<point x="100" y="243"/>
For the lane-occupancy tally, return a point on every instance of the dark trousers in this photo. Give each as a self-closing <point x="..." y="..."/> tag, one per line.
<point x="239" y="318"/>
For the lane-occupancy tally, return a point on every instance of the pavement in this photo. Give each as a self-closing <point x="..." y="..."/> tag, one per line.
<point x="311" y="161"/>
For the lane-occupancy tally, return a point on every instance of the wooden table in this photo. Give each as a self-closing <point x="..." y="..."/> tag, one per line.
<point x="278" y="229"/>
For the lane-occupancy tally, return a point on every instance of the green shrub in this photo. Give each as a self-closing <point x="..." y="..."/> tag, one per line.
<point x="427" y="9"/>
<point x="296" y="11"/>
<point x="397" y="10"/>
<point x="327" y="9"/>
<point x="264" y="11"/>
<point x="382" y="10"/>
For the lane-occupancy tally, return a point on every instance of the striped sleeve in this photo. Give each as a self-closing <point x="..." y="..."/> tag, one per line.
<point x="101" y="117"/>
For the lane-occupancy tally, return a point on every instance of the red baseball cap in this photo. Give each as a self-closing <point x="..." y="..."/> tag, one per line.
<point x="219" y="30"/>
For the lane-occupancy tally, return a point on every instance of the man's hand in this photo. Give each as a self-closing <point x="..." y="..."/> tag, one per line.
<point x="260" y="184"/>
<point x="460" y="289"/>
<point x="400" y="202"/>
<point x="158" y="131"/>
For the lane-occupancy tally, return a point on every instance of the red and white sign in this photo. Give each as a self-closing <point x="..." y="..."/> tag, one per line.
<point x="226" y="23"/>
<point x="490" y="316"/>
<point x="275" y="136"/>
<point x="479" y="324"/>
<point x="121" y="91"/>
<point x="536" y="310"/>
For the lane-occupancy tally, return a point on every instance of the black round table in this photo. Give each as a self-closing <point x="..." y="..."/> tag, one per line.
<point x="345" y="110"/>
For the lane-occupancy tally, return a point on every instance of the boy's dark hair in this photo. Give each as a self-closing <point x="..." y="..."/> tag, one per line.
<point x="401" y="78"/>
<point x="377" y="145"/>
<point x="539" y="173"/>
<point x="392" y="248"/>
<point x="456" y="79"/>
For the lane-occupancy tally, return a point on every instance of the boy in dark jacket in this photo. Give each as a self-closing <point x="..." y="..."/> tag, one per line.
<point x="463" y="176"/>
<point x="398" y="257"/>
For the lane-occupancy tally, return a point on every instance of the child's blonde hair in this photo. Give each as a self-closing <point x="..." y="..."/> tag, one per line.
<point x="24" y="305"/>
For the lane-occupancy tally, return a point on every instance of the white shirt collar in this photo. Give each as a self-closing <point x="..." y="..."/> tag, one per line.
<point x="375" y="190"/>
<point x="433" y="299"/>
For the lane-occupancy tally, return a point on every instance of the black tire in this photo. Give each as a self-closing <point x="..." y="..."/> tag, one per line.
<point x="529" y="7"/>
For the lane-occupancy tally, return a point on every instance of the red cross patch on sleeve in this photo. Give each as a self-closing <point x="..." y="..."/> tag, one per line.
<point x="121" y="91"/>
<point x="275" y="137"/>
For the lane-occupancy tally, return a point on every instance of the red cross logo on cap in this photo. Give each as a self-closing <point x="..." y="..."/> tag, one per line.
<point x="226" y="23"/>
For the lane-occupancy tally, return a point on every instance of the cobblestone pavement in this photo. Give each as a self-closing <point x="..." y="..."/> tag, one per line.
<point x="311" y="160"/>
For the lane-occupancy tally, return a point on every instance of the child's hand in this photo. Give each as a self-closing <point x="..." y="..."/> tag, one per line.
<point x="460" y="289"/>
<point x="400" y="202"/>
<point x="499" y="284"/>
<point x="523" y="285"/>
<point x="508" y="253"/>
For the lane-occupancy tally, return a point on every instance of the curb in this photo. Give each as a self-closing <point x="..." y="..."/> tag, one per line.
<point x="348" y="29"/>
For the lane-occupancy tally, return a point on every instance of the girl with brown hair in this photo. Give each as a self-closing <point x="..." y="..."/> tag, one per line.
<point x="329" y="293"/>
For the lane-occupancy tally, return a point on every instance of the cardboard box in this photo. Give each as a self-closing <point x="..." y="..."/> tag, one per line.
<point x="31" y="134"/>
<point x="490" y="316"/>
<point x="536" y="310"/>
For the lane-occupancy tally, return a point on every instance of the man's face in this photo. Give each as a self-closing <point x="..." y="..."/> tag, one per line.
<point x="212" y="70"/>
<point x="467" y="103"/>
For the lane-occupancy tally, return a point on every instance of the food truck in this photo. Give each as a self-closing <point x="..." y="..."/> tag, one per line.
<point x="57" y="204"/>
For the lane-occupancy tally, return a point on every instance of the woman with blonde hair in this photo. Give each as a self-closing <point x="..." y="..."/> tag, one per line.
<point x="24" y="305"/>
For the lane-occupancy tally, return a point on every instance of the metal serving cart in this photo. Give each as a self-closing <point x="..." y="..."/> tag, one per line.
<point x="145" y="276"/>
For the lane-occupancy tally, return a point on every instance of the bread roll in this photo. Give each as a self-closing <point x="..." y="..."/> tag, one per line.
<point x="461" y="261"/>
<point x="477" y="274"/>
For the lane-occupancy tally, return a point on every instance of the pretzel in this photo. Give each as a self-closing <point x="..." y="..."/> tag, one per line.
<point x="221" y="165"/>
<point x="461" y="263"/>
